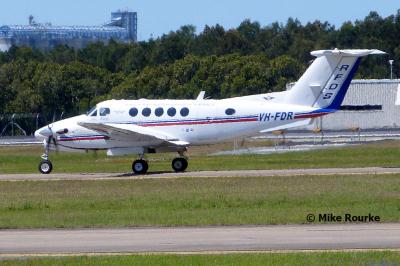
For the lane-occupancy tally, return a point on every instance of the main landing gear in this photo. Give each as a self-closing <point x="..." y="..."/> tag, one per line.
<point x="141" y="166"/>
<point x="179" y="164"/>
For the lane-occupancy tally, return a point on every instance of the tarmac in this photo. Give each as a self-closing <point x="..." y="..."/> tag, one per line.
<point x="201" y="174"/>
<point x="201" y="239"/>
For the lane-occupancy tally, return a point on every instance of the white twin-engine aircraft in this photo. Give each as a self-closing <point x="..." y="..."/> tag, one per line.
<point x="150" y="126"/>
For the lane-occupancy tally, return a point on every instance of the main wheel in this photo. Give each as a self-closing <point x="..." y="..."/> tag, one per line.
<point x="45" y="167"/>
<point x="140" y="167"/>
<point x="179" y="164"/>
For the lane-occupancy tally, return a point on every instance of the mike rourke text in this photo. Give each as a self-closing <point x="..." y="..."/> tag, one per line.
<point x="348" y="218"/>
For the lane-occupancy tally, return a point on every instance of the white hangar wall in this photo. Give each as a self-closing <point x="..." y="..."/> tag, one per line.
<point x="369" y="104"/>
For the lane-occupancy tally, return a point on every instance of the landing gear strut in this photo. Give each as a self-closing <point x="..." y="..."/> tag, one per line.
<point x="45" y="166"/>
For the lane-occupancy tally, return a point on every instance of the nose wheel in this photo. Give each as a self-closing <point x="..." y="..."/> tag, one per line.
<point x="179" y="164"/>
<point x="45" y="167"/>
<point x="140" y="167"/>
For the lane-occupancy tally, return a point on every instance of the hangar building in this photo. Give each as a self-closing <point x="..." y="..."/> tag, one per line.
<point x="369" y="104"/>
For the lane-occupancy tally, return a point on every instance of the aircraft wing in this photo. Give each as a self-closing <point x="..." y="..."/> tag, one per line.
<point x="129" y="132"/>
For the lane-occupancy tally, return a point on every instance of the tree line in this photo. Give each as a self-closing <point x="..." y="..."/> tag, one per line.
<point x="245" y="60"/>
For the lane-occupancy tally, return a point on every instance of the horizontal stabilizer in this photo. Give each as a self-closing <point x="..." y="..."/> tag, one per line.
<point x="301" y="123"/>
<point x="352" y="52"/>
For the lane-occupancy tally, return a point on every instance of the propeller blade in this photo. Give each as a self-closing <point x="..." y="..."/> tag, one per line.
<point x="52" y="141"/>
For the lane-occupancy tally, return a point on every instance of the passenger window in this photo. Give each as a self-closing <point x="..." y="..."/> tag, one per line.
<point x="171" y="111"/>
<point x="159" y="111"/>
<point x="230" y="111"/>
<point x="104" y="111"/>
<point x="133" y="112"/>
<point x="184" y="111"/>
<point x="146" y="112"/>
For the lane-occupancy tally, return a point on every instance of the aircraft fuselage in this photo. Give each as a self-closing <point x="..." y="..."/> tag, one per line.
<point x="197" y="122"/>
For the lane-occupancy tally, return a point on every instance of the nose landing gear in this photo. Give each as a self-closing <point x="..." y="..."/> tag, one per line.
<point x="45" y="166"/>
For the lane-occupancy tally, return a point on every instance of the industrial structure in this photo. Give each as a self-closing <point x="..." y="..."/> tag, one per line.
<point x="369" y="104"/>
<point x="122" y="28"/>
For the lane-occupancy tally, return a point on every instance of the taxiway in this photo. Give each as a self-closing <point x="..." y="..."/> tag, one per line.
<point x="236" y="173"/>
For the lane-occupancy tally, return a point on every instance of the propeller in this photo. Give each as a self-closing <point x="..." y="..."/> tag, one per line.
<point x="52" y="136"/>
<point x="51" y="140"/>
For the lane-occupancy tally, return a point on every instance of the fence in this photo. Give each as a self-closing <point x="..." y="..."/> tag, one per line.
<point x="24" y="124"/>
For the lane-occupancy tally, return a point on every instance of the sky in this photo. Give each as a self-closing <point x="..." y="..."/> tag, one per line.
<point x="156" y="17"/>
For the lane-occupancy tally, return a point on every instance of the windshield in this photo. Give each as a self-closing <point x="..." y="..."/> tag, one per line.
<point x="104" y="111"/>
<point x="91" y="111"/>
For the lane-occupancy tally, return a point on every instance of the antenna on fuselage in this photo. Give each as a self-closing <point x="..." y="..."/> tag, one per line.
<point x="201" y="96"/>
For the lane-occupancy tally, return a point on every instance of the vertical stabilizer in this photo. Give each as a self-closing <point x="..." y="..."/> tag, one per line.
<point x="325" y="82"/>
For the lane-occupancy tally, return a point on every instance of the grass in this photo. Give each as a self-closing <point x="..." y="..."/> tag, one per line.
<point x="191" y="201"/>
<point x="26" y="159"/>
<point x="313" y="258"/>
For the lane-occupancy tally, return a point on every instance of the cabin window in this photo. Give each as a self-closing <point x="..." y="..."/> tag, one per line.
<point x="104" y="111"/>
<point x="230" y="111"/>
<point x="133" y="112"/>
<point x="184" y="111"/>
<point x="171" y="111"/>
<point x="146" y="112"/>
<point x="159" y="111"/>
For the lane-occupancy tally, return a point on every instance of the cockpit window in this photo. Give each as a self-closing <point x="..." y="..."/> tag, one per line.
<point x="94" y="113"/>
<point x="91" y="111"/>
<point x="104" y="111"/>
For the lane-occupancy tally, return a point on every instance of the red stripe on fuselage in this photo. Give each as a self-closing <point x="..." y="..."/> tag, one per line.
<point x="83" y="138"/>
<point x="310" y="115"/>
<point x="199" y="122"/>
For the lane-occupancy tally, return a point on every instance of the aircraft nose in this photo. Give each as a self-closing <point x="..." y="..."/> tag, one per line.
<point x="43" y="133"/>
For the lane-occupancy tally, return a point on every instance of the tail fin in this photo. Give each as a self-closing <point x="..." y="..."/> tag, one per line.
<point x="326" y="81"/>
